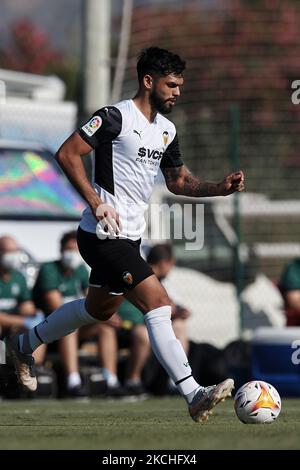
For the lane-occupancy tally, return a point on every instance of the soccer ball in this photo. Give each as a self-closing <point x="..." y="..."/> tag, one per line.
<point x="257" y="402"/>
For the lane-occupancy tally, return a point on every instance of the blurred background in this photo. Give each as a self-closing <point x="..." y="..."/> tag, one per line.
<point x="60" y="61"/>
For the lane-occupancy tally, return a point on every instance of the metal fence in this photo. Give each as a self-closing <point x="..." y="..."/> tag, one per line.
<point x="240" y="55"/>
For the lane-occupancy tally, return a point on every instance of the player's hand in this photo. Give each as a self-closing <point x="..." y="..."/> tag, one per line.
<point x="235" y="182"/>
<point x="108" y="219"/>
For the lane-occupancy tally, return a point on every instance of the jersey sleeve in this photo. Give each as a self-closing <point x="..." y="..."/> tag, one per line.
<point x="47" y="279"/>
<point x="104" y="126"/>
<point x="172" y="156"/>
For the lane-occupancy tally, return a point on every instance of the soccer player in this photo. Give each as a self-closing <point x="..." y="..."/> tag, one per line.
<point x="132" y="140"/>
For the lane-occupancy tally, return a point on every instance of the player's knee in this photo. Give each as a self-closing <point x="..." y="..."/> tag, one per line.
<point x="148" y="301"/>
<point x="160" y="301"/>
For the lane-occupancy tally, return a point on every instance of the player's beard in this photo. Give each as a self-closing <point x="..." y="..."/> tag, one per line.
<point x="159" y="104"/>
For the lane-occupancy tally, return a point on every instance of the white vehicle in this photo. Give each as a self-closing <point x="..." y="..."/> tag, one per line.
<point x="32" y="108"/>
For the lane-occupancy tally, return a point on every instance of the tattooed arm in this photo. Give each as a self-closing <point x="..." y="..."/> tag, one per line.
<point x="180" y="181"/>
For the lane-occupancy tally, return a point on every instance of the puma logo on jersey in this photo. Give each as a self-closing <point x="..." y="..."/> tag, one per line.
<point x="155" y="154"/>
<point x="138" y="133"/>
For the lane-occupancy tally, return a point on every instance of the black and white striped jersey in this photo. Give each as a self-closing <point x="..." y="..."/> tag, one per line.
<point x="128" y="151"/>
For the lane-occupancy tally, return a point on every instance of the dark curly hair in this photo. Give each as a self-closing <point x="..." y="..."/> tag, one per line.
<point x="66" y="237"/>
<point x="159" y="62"/>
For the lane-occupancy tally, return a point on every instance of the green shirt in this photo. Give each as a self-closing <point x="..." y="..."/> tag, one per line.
<point x="13" y="292"/>
<point x="130" y="314"/>
<point x="52" y="277"/>
<point x="290" y="279"/>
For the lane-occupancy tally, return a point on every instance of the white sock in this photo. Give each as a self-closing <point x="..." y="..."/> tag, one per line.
<point x="73" y="380"/>
<point x="61" y="322"/>
<point x="169" y="350"/>
<point x="171" y="383"/>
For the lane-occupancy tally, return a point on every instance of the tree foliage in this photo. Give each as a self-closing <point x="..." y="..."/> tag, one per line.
<point x="29" y="49"/>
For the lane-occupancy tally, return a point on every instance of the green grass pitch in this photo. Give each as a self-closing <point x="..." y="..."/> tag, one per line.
<point x="157" y="423"/>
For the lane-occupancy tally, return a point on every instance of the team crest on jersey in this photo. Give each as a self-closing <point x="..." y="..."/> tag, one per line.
<point x="127" y="278"/>
<point x="92" y="126"/>
<point x="166" y="137"/>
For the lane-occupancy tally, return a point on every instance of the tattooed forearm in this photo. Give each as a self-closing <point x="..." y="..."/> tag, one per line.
<point x="180" y="181"/>
<point x="192" y="186"/>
